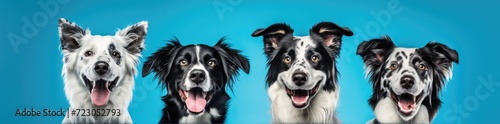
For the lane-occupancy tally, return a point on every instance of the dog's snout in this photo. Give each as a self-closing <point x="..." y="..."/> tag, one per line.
<point x="101" y="67"/>
<point x="299" y="78"/>
<point x="197" y="76"/>
<point x="407" y="82"/>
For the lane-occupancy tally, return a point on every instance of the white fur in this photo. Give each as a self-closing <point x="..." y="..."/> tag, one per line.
<point x="200" y="118"/>
<point x="77" y="93"/>
<point x="321" y="109"/>
<point x="420" y="86"/>
<point x="322" y="105"/>
<point x="206" y="85"/>
<point x="386" y="112"/>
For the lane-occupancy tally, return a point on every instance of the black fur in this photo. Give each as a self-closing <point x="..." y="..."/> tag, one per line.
<point x="279" y="41"/>
<point x="439" y="58"/>
<point x="165" y="63"/>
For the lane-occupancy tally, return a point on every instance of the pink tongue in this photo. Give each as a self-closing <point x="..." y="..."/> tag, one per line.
<point x="299" y="100"/>
<point x="407" y="104"/>
<point x="195" y="102"/>
<point x="99" y="96"/>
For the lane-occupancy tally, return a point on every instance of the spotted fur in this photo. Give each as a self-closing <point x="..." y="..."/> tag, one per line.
<point x="399" y="73"/>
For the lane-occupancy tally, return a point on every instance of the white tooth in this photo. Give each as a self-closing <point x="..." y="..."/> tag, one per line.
<point x="204" y="94"/>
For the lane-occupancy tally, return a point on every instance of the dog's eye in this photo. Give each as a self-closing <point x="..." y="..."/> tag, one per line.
<point x="422" y="67"/>
<point x="89" y="53"/>
<point x="183" y="63"/>
<point x="393" y="66"/>
<point x="211" y="63"/>
<point x="116" y="54"/>
<point x="315" y="58"/>
<point x="287" y="59"/>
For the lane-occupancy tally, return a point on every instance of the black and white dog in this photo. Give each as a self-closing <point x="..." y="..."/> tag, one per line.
<point x="99" y="71"/>
<point x="195" y="77"/>
<point x="302" y="75"/>
<point x="406" y="81"/>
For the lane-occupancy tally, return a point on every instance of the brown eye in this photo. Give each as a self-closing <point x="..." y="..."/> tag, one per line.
<point x="393" y="66"/>
<point x="287" y="59"/>
<point x="116" y="54"/>
<point x="211" y="63"/>
<point x="315" y="58"/>
<point x="89" y="53"/>
<point x="183" y="63"/>
<point x="422" y="67"/>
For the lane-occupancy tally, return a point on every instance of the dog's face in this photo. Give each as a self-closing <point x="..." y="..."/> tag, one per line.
<point x="407" y="75"/>
<point x="302" y="65"/>
<point x="194" y="73"/>
<point x="100" y="62"/>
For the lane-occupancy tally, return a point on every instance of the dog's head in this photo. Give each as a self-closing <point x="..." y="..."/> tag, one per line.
<point x="194" y="73"/>
<point x="302" y="64"/>
<point x="407" y="75"/>
<point x="100" y="62"/>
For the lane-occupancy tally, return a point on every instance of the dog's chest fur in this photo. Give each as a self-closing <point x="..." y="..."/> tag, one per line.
<point x="321" y="109"/>
<point x="206" y="117"/>
<point x="386" y="111"/>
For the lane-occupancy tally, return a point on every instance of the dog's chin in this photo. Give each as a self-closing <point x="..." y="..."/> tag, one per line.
<point x="99" y="89"/>
<point x="407" y="104"/>
<point x="195" y="99"/>
<point x="301" y="97"/>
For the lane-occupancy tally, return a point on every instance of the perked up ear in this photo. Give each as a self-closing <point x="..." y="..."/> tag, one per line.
<point x="442" y="56"/>
<point x="331" y="33"/>
<point x="162" y="60"/>
<point x="135" y="36"/>
<point x="232" y="61"/>
<point x="273" y="35"/>
<point x="70" y="35"/>
<point x="375" y="51"/>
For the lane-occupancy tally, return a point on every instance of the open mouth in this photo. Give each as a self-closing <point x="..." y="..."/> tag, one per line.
<point x="406" y="102"/>
<point x="300" y="97"/>
<point x="99" y="90"/>
<point x="195" y="99"/>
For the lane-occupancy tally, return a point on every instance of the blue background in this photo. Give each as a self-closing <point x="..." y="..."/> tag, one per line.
<point x="31" y="75"/>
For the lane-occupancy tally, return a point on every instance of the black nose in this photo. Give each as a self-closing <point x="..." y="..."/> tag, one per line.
<point x="197" y="76"/>
<point x="101" y="67"/>
<point x="299" y="78"/>
<point x="407" y="82"/>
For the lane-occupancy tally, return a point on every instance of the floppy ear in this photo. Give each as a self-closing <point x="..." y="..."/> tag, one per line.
<point x="232" y="60"/>
<point x="375" y="51"/>
<point x="442" y="56"/>
<point x="70" y="35"/>
<point x="161" y="61"/>
<point x="330" y="33"/>
<point x="134" y="36"/>
<point x="273" y="35"/>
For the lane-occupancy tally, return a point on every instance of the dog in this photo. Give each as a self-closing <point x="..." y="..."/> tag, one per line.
<point x="99" y="71"/>
<point x="406" y="81"/>
<point x="195" y="77"/>
<point x="302" y="73"/>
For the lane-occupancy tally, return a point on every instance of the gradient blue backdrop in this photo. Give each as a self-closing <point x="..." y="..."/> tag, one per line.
<point x="31" y="70"/>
